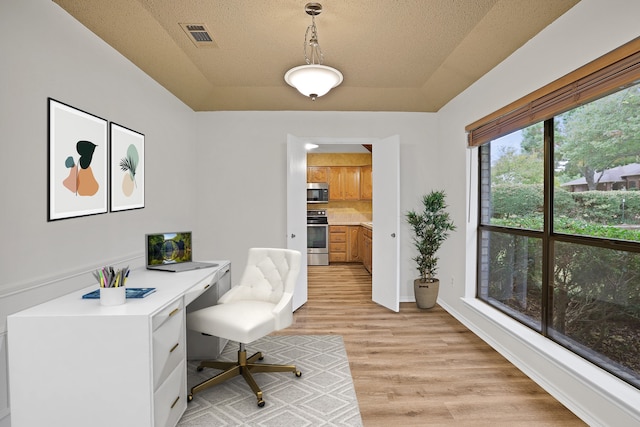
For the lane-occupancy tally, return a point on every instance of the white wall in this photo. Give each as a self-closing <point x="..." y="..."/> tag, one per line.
<point x="219" y="166"/>
<point x="243" y="157"/>
<point x="589" y="30"/>
<point x="57" y="57"/>
<point x="46" y="53"/>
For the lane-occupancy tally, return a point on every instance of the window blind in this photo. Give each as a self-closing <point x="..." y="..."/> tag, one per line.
<point x="607" y="74"/>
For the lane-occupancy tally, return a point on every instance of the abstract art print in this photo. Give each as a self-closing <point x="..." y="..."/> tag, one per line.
<point x="77" y="162"/>
<point x="127" y="168"/>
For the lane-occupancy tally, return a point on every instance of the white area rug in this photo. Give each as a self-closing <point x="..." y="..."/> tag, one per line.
<point x="323" y="396"/>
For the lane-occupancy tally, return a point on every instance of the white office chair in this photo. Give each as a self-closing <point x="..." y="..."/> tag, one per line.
<point x="260" y="304"/>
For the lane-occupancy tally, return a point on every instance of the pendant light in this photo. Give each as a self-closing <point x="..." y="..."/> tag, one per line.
<point x="313" y="79"/>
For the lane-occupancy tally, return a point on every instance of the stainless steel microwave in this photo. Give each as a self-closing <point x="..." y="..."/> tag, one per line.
<point x="317" y="192"/>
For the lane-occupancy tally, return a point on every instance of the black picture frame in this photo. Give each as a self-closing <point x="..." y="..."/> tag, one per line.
<point x="77" y="162"/>
<point x="127" y="166"/>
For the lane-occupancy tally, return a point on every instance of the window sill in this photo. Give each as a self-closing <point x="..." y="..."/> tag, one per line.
<point x="547" y="363"/>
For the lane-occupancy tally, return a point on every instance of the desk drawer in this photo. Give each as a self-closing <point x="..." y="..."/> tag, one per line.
<point x="198" y="290"/>
<point x="170" y="400"/>
<point x="168" y="312"/>
<point x="168" y="347"/>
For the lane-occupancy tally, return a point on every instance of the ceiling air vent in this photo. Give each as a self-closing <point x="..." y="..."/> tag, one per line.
<point x="199" y="35"/>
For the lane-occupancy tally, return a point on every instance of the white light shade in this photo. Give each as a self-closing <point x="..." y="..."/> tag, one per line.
<point x="313" y="79"/>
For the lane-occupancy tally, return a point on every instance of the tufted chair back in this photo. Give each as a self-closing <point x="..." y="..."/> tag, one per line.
<point x="270" y="276"/>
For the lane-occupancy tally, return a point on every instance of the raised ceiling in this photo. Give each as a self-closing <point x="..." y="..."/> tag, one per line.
<point x="396" y="55"/>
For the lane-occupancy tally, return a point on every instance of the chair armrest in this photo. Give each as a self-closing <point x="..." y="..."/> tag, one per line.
<point x="283" y="311"/>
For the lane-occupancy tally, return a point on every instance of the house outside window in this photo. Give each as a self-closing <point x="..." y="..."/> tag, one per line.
<point x="559" y="230"/>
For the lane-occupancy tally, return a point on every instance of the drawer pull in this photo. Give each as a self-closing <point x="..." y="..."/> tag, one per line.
<point x="175" y="402"/>
<point x="174" y="347"/>
<point x="174" y="312"/>
<point x="207" y="285"/>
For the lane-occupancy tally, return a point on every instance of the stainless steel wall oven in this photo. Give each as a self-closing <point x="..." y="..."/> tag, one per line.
<point x="317" y="237"/>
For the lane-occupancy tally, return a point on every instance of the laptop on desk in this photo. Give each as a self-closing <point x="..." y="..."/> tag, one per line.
<point x="172" y="252"/>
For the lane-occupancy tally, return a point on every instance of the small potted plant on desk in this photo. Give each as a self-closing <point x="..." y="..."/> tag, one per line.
<point x="431" y="227"/>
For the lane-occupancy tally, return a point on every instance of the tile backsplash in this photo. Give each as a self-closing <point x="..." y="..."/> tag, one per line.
<point x="347" y="214"/>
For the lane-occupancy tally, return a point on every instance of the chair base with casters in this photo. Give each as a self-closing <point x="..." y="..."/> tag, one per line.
<point x="244" y="366"/>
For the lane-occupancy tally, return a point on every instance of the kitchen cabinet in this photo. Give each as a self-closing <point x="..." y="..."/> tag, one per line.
<point x="317" y="174"/>
<point x="343" y="243"/>
<point x="366" y="248"/>
<point x="337" y="243"/>
<point x="353" y="246"/>
<point x="344" y="183"/>
<point x="366" y="183"/>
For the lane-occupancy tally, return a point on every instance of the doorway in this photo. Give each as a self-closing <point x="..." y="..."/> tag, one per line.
<point x="385" y="209"/>
<point x="345" y="170"/>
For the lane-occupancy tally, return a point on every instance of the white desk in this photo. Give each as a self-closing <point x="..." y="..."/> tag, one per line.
<point x="73" y="362"/>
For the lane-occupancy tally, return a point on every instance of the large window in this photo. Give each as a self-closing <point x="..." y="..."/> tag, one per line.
<point x="559" y="233"/>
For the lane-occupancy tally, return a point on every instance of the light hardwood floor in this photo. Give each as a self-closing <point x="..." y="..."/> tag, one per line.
<point x="419" y="367"/>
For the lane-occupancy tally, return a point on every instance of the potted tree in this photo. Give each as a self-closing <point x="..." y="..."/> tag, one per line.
<point x="431" y="227"/>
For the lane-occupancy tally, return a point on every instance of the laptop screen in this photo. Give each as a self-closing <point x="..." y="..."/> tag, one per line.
<point x="168" y="248"/>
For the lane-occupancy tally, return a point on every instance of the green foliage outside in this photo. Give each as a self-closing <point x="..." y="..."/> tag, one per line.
<point x="516" y="200"/>
<point x="594" y="291"/>
<point x="590" y="213"/>
<point x="600" y="135"/>
<point x="606" y="207"/>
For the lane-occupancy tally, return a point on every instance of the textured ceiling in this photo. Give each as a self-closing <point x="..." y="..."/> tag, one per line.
<point x="396" y="55"/>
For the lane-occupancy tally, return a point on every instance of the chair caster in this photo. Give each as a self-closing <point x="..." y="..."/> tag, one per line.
<point x="260" y="403"/>
<point x="298" y="374"/>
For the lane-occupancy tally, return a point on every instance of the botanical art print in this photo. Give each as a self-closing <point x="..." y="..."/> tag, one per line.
<point x="77" y="162"/>
<point x="127" y="168"/>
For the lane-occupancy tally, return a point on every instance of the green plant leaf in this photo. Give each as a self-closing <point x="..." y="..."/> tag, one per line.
<point x="130" y="162"/>
<point x="431" y="228"/>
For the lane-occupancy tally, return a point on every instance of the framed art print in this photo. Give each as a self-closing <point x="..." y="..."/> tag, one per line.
<point x="77" y="168"/>
<point x="127" y="168"/>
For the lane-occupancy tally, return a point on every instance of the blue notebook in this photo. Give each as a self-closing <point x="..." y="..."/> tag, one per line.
<point x="130" y="292"/>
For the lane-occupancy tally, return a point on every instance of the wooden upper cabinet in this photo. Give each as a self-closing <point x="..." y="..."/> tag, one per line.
<point x="366" y="183"/>
<point x="344" y="183"/>
<point x="317" y="174"/>
<point x="352" y="183"/>
<point x="335" y="186"/>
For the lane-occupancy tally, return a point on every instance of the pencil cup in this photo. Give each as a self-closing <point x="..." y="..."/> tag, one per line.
<point x="113" y="296"/>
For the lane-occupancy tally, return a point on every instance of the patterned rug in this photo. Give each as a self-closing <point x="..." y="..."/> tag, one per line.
<point x="323" y="396"/>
